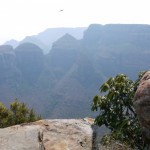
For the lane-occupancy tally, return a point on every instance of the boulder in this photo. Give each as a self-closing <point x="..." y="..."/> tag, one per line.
<point x="141" y="104"/>
<point x="65" y="134"/>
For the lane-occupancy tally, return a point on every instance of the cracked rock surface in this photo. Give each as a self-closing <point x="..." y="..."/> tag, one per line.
<point x="58" y="134"/>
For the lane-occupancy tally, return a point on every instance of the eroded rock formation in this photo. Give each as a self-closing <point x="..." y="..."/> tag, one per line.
<point x="141" y="103"/>
<point x="56" y="134"/>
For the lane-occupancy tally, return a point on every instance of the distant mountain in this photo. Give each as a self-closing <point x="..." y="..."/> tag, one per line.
<point x="62" y="83"/>
<point x="13" y="43"/>
<point x="30" y="61"/>
<point x="46" y="38"/>
<point x="36" y="41"/>
<point x="52" y="34"/>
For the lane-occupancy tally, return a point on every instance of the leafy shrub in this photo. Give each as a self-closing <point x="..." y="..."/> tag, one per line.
<point x="116" y="111"/>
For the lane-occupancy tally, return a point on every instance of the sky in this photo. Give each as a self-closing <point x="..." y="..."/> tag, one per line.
<point x="21" y="18"/>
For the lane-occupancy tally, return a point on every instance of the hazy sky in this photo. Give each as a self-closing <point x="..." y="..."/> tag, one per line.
<point x="19" y="18"/>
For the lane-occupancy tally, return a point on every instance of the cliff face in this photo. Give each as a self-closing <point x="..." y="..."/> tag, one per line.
<point x="49" y="135"/>
<point x="9" y="73"/>
<point x="30" y="60"/>
<point x="7" y="64"/>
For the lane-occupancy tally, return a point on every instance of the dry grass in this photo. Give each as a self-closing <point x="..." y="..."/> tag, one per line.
<point x="115" y="146"/>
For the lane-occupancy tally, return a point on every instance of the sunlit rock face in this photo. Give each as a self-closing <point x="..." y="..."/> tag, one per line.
<point x="71" y="134"/>
<point x="142" y="104"/>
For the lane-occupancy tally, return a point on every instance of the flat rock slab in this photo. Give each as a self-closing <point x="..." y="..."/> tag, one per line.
<point x="59" y="134"/>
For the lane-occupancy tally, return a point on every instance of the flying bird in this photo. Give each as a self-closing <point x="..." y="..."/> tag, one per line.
<point x="61" y="10"/>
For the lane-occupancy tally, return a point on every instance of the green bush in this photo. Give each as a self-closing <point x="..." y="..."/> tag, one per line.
<point x="116" y="111"/>
<point x="17" y="113"/>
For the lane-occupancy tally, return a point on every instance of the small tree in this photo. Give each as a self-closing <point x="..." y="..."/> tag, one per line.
<point x="17" y="114"/>
<point x="116" y="111"/>
<point x="5" y="116"/>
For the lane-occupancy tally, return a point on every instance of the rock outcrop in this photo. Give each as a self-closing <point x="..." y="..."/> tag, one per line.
<point x="56" y="134"/>
<point x="141" y="103"/>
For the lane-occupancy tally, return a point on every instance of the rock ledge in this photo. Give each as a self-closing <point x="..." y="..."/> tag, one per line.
<point x="58" y="134"/>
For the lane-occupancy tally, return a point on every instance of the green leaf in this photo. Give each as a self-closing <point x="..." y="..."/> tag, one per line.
<point x="104" y="87"/>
